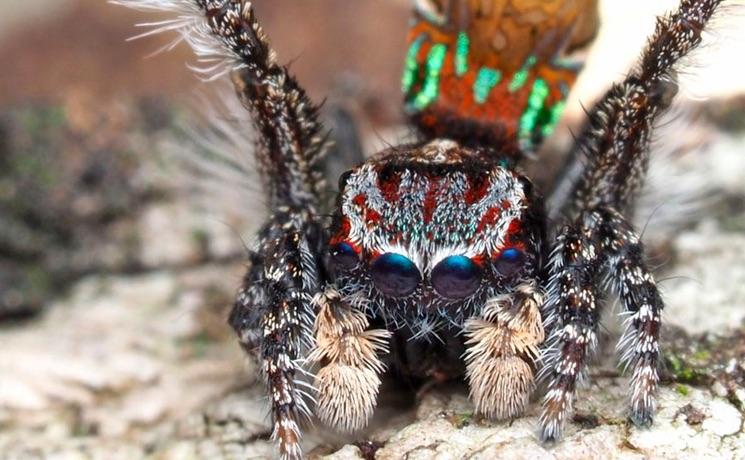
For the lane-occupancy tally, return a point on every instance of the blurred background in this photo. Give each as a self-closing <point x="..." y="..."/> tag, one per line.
<point x="115" y="280"/>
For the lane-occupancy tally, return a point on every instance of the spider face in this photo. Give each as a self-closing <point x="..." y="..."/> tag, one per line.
<point x="434" y="229"/>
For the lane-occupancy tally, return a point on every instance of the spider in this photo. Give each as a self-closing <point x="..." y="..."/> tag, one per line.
<point x="438" y="258"/>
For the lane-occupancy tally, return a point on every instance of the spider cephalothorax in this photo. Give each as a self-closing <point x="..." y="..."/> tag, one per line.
<point x="428" y="233"/>
<point x="428" y="238"/>
<point x="446" y="238"/>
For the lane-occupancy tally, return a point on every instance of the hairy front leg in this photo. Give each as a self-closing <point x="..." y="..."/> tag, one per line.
<point x="273" y="312"/>
<point x="614" y="150"/>
<point x="572" y="313"/>
<point x="600" y="242"/>
<point x="635" y="286"/>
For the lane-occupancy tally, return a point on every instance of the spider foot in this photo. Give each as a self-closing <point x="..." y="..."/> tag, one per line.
<point x="643" y="386"/>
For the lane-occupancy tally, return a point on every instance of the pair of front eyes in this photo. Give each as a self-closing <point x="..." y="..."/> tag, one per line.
<point x="454" y="277"/>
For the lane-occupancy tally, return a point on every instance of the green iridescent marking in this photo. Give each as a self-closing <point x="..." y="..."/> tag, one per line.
<point x="486" y="79"/>
<point x="554" y="117"/>
<point x="521" y="77"/>
<point x="411" y="66"/>
<point x="461" y="54"/>
<point x="431" y="87"/>
<point x="532" y="115"/>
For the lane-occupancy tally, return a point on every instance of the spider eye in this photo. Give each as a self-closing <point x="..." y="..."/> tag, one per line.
<point x="510" y="261"/>
<point x="395" y="275"/>
<point x="456" y="277"/>
<point x="344" y="256"/>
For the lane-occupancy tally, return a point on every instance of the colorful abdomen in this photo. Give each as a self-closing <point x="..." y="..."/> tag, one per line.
<point x="492" y="71"/>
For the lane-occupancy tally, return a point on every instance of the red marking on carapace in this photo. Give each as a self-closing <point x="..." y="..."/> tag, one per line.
<point x="512" y="238"/>
<point x="490" y="217"/>
<point x="389" y="187"/>
<point x="360" y="200"/>
<point x="477" y="188"/>
<point x="515" y="228"/>
<point x="343" y="232"/>
<point x="430" y="199"/>
<point x="479" y="259"/>
<point x="372" y="216"/>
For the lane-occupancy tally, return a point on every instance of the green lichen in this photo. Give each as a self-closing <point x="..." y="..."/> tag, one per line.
<point x="684" y="372"/>
<point x="462" y="419"/>
<point x="682" y="389"/>
<point x="702" y="355"/>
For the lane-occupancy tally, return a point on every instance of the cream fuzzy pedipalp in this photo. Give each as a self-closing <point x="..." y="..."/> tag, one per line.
<point x="348" y="380"/>
<point x="502" y="349"/>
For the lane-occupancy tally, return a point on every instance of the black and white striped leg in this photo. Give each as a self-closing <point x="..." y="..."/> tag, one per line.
<point x="601" y="243"/>
<point x="274" y="312"/>
<point x="615" y="147"/>
<point x="639" y="346"/>
<point x="571" y="313"/>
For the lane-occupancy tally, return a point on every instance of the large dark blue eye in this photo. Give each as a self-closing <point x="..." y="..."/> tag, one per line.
<point x="456" y="277"/>
<point x="343" y="256"/>
<point x="509" y="262"/>
<point x="394" y="275"/>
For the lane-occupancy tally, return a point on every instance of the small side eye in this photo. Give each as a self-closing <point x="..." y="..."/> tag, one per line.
<point x="509" y="262"/>
<point x="395" y="275"/>
<point x="343" y="256"/>
<point x="456" y="277"/>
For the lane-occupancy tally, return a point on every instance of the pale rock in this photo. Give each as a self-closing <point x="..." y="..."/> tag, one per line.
<point x="725" y="419"/>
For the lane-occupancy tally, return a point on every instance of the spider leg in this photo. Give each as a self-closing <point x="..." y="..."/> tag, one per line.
<point x="502" y="349"/>
<point x="274" y="313"/>
<point x="292" y="142"/>
<point x="641" y="299"/>
<point x="572" y="316"/>
<point x="601" y="241"/>
<point x="274" y="309"/>
<point x="348" y="380"/>
<point x="616" y="143"/>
